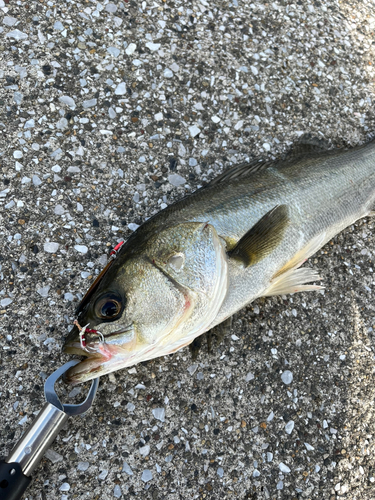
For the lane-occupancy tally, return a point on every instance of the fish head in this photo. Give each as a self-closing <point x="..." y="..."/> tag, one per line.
<point x="157" y="297"/>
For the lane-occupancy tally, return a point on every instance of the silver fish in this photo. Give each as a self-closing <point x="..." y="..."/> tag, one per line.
<point x="194" y="264"/>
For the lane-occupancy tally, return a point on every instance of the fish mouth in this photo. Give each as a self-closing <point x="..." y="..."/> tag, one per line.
<point x="98" y="350"/>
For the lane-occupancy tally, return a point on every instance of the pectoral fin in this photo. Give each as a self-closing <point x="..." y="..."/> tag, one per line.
<point x="262" y="238"/>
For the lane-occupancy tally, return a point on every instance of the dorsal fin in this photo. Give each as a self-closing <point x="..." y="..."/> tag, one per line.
<point x="242" y="170"/>
<point x="307" y="146"/>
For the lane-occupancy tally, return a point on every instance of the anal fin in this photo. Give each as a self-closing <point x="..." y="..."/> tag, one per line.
<point x="305" y="253"/>
<point x="293" y="281"/>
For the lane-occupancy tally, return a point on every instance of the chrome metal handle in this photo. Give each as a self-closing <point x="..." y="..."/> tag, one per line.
<point x="30" y="449"/>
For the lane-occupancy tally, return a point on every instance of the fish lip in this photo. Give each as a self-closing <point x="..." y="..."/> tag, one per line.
<point x="87" y="369"/>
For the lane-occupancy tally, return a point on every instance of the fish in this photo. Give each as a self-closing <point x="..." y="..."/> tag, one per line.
<point x="194" y="264"/>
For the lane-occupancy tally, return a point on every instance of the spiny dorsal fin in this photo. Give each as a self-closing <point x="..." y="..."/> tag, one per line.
<point x="262" y="238"/>
<point x="241" y="170"/>
<point x="306" y="146"/>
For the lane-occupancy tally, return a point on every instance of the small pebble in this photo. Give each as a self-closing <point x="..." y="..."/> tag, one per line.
<point x="159" y="414"/>
<point x="176" y="180"/>
<point x="103" y="474"/>
<point x="5" y="302"/>
<point x="287" y="377"/>
<point x="43" y="292"/>
<point x="89" y="103"/>
<point x="130" y="49"/>
<point x="283" y="467"/>
<point x="82" y="466"/>
<point x="81" y="248"/>
<point x="117" y="491"/>
<point x="65" y="487"/>
<point x="146" y="475"/>
<point x="126" y="468"/>
<point x="17" y="35"/>
<point x="51" y="247"/>
<point x="194" y="130"/>
<point x="289" y="427"/>
<point x="53" y="456"/>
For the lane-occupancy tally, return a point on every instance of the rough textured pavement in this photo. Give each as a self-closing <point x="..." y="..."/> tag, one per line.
<point x="110" y="112"/>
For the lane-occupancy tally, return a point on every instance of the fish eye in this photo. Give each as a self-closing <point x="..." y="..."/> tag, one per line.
<point x="109" y="306"/>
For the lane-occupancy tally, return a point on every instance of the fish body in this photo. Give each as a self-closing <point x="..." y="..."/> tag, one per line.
<point x="200" y="260"/>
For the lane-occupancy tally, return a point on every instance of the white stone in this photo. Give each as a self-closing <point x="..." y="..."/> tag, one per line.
<point x="69" y="101"/>
<point x="29" y="123"/>
<point x="283" y="467"/>
<point x="266" y="146"/>
<point x="289" y="427"/>
<point x="153" y="46"/>
<point x="181" y="150"/>
<point x="83" y="466"/>
<point x="309" y="447"/>
<point x="168" y="73"/>
<point x="51" y="247"/>
<point x="17" y="97"/>
<point x="89" y="103"/>
<point x="133" y="227"/>
<point x="17" y="35"/>
<point x="36" y="180"/>
<point x="114" y="51"/>
<point x="117" y="493"/>
<point x="215" y="119"/>
<point x="145" y="450"/>
<point x="53" y="456"/>
<point x="254" y="70"/>
<point x="126" y="468"/>
<point x="158" y="117"/>
<point x="103" y="474"/>
<point x="6" y="302"/>
<point x="194" y="130"/>
<point x="249" y="376"/>
<point x="65" y="487"/>
<point x="238" y="125"/>
<point x="43" y="292"/>
<point x="146" y="475"/>
<point x="121" y="89"/>
<point x="111" y="7"/>
<point x="159" y="414"/>
<point x="62" y="124"/>
<point x="287" y="377"/>
<point x="17" y="154"/>
<point x="130" y="49"/>
<point x="176" y="180"/>
<point x="9" y="21"/>
<point x="81" y="248"/>
<point x="58" y="26"/>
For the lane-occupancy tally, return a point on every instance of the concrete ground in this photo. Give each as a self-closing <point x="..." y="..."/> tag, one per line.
<point x="111" y="111"/>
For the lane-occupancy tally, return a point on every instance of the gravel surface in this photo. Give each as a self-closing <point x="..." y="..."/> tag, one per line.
<point x="110" y="112"/>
